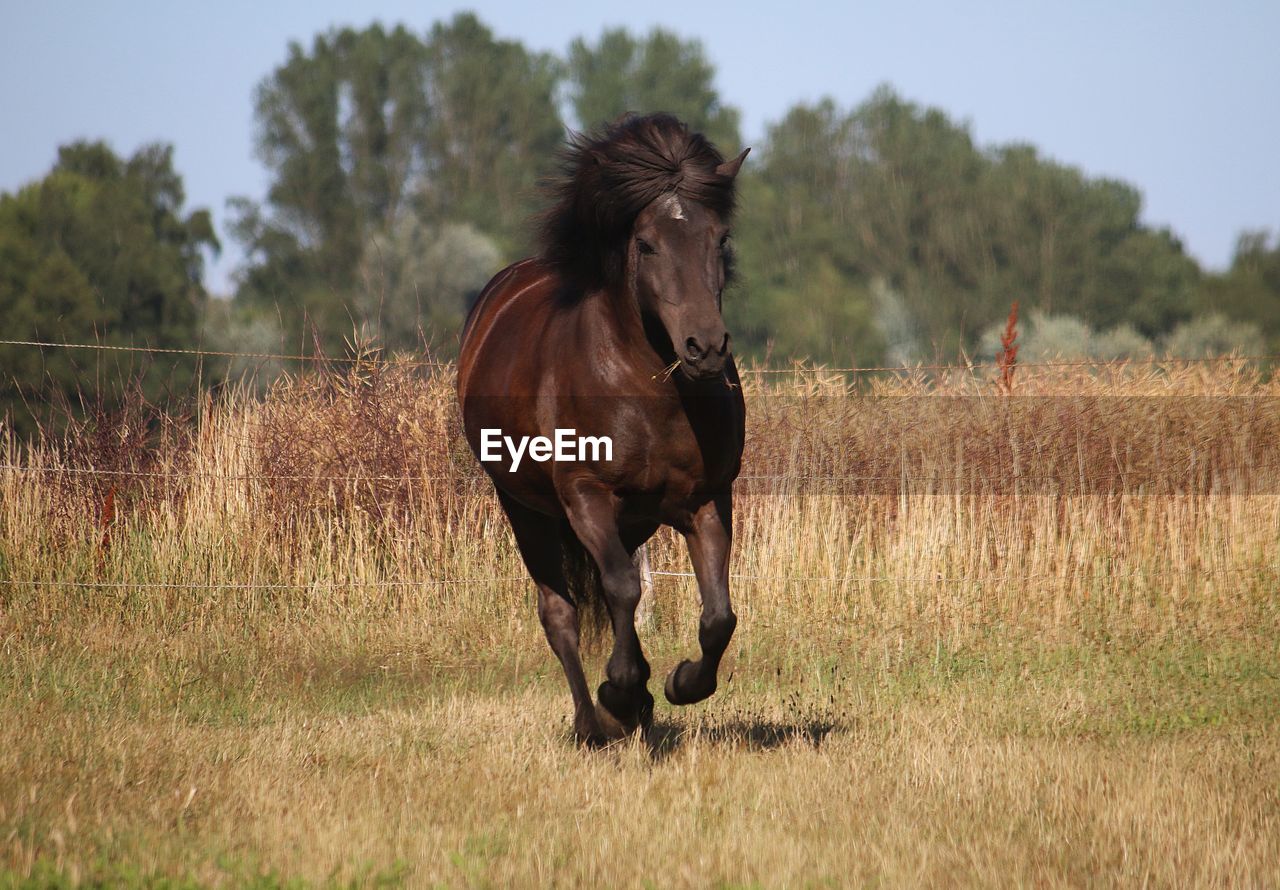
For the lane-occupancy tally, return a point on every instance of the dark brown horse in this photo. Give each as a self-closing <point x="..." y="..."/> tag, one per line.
<point x="615" y="331"/>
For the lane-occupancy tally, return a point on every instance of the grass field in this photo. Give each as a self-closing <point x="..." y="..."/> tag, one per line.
<point x="985" y="639"/>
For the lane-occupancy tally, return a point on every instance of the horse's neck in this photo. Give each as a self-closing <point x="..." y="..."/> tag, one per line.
<point x="618" y="320"/>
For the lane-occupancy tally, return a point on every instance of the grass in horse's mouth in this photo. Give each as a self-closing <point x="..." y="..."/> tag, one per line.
<point x="666" y="372"/>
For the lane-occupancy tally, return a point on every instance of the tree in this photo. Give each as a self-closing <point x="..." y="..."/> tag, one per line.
<point x="1044" y="338"/>
<point x="418" y="281"/>
<point x="99" y="251"/>
<point x="894" y="199"/>
<point x="1215" y="334"/>
<point x="342" y="130"/>
<point x="1146" y="281"/>
<point x="659" y="72"/>
<point x="1250" y="290"/>
<point x="375" y="132"/>
<point x="495" y="129"/>
<point x="804" y="289"/>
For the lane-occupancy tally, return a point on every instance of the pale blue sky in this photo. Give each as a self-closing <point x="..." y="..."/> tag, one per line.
<point x="1181" y="99"/>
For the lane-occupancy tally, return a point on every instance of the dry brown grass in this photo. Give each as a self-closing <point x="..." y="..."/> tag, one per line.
<point x="985" y="639"/>
<point x="482" y="789"/>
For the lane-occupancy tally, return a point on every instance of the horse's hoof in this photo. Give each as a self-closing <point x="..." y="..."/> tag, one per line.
<point x="592" y="740"/>
<point x="646" y="713"/>
<point x="682" y="686"/>
<point x="611" y="727"/>
<point x="620" y="714"/>
<point x="588" y="732"/>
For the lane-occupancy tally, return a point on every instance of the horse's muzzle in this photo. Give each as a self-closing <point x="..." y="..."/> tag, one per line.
<point x="705" y="357"/>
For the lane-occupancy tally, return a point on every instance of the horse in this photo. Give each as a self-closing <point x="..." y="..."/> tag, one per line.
<point x="615" y="329"/>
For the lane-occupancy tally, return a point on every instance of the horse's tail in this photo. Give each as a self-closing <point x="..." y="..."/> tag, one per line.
<point x="585" y="584"/>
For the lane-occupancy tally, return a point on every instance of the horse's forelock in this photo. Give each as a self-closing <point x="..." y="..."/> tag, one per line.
<point x="608" y="178"/>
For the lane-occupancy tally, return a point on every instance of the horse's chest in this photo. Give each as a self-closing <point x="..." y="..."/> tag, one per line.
<point x="683" y="461"/>
<point x="699" y="463"/>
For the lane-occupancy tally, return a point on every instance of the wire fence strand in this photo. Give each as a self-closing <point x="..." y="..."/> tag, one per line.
<point x="237" y="477"/>
<point x="1090" y="572"/>
<point x="796" y="369"/>
<point x="215" y="353"/>
<point x="905" y="475"/>
<point x="217" y="585"/>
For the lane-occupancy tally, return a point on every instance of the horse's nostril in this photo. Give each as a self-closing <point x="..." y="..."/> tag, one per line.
<point x="693" y="348"/>
<point x="724" y="347"/>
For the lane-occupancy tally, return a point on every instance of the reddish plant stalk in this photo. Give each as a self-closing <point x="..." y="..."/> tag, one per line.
<point x="1007" y="358"/>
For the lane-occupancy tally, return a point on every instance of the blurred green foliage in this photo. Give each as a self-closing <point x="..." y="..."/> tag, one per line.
<point x="379" y="138"/>
<point x="99" y="251"/>
<point x="404" y="170"/>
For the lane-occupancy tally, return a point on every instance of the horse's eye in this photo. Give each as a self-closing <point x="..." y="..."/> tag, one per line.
<point x="724" y="240"/>
<point x="645" y="247"/>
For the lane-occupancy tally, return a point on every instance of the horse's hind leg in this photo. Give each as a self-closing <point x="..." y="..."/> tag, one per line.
<point x="538" y="538"/>
<point x="624" y="698"/>
<point x="709" y="540"/>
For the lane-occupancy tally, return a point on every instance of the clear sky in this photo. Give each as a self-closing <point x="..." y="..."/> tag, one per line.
<point x="1181" y="99"/>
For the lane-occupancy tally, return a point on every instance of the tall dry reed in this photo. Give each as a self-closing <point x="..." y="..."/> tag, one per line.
<point x="1113" y="501"/>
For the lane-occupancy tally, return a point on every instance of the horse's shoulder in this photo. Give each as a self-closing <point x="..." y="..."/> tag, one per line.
<point x="501" y="288"/>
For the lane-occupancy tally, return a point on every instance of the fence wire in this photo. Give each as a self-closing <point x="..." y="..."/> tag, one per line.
<point x="796" y="369"/>
<point x="733" y="576"/>
<point x="907" y="475"/>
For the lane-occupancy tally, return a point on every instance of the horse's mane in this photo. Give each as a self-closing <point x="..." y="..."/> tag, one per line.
<point x="608" y="177"/>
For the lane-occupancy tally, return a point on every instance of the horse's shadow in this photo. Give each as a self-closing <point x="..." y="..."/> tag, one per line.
<point x="666" y="737"/>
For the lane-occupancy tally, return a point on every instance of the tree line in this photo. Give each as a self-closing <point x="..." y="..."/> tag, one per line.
<point x="404" y="169"/>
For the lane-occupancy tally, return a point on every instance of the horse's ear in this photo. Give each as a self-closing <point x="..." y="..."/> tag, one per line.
<point x="730" y="168"/>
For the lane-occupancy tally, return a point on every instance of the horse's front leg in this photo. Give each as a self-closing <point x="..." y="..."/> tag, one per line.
<point x="625" y="702"/>
<point x="709" y="540"/>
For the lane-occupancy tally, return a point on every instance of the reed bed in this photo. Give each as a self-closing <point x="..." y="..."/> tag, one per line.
<point x="1116" y="501"/>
